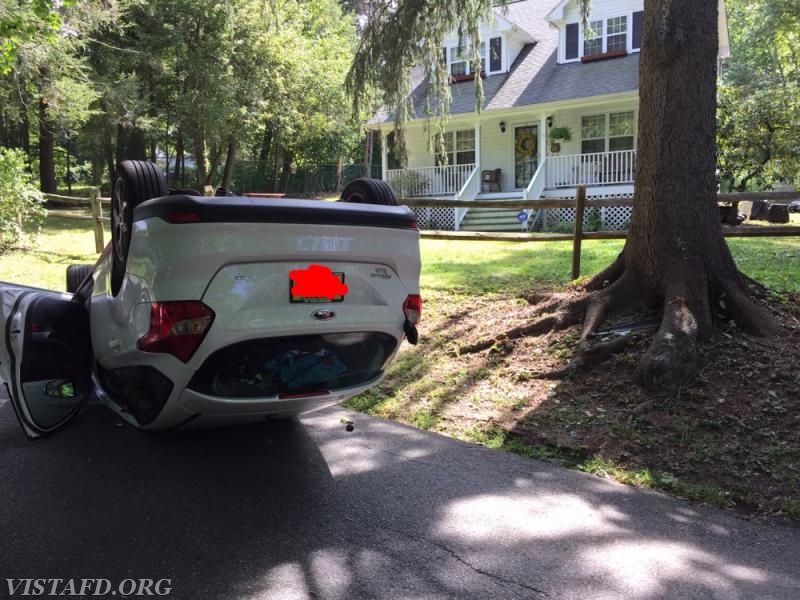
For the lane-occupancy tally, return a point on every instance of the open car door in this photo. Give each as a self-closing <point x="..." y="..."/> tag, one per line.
<point x="45" y="356"/>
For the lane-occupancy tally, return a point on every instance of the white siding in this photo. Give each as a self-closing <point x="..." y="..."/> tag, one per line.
<point x="513" y="48"/>
<point x="603" y="8"/>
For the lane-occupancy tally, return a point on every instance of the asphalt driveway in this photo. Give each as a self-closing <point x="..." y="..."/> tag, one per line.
<point x="307" y="510"/>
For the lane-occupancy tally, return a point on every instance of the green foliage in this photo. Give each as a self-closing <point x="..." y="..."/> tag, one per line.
<point x="21" y="203"/>
<point x="560" y="133"/>
<point x="409" y="183"/>
<point x="406" y="34"/>
<point x="759" y="96"/>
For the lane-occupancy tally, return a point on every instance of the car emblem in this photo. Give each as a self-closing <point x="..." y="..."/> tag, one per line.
<point x="323" y="314"/>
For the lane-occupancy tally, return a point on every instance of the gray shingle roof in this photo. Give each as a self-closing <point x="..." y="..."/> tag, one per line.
<point x="535" y="77"/>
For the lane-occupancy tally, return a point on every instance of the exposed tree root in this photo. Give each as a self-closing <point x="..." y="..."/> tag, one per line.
<point x="752" y="318"/>
<point x="590" y="354"/>
<point x="672" y="359"/>
<point x="558" y="316"/>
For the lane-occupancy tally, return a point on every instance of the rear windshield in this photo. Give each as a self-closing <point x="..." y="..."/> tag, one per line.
<point x="294" y="365"/>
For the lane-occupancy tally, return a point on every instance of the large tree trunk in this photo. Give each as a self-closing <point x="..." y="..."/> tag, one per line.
<point x="676" y="256"/>
<point x="200" y="159"/>
<point x="230" y="161"/>
<point x="47" y="164"/>
<point x="131" y="144"/>
<point x="675" y="259"/>
<point x="368" y="149"/>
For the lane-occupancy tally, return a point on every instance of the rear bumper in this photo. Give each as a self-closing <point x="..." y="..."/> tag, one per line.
<point x="194" y="410"/>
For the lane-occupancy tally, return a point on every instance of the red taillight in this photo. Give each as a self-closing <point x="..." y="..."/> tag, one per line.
<point x="412" y="308"/>
<point x="177" y="328"/>
<point x="178" y="218"/>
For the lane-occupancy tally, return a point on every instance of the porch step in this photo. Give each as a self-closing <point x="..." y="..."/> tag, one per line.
<point x="491" y="219"/>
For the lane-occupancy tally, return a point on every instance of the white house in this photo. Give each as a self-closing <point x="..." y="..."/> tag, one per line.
<point x="541" y="73"/>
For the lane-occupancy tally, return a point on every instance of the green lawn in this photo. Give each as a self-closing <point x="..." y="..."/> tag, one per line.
<point x="62" y="242"/>
<point x="466" y="267"/>
<point x="516" y="267"/>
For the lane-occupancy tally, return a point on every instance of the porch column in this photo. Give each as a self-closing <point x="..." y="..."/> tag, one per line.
<point x="384" y="155"/>
<point x="478" y="153"/>
<point x="542" y="138"/>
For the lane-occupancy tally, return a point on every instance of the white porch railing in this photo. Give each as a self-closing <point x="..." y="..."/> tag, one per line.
<point x="467" y="192"/>
<point x="600" y="168"/>
<point x="430" y="181"/>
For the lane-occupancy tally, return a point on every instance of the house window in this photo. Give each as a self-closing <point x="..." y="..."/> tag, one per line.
<point x="460" y="63"/>
<point x="620" y="131"/>
<point x="612" y="132"/>
<point x="593" y="45"/>
<point x="611" y="34"/>
<point x="465" y="147"/>
<point x="459" y="147"/>
<point x="593" y="134"/>
<point x="616" y="33"/>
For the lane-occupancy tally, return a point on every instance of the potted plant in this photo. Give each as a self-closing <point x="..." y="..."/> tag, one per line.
<point x="556" y="135"/>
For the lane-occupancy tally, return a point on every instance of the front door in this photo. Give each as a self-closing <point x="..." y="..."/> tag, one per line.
<point x="526" y="154"/>
<point x="45" y="356"/>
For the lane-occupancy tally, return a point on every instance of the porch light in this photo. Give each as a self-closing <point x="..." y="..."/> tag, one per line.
<point x="550" y="121"/>
<point x="502" y="126"/>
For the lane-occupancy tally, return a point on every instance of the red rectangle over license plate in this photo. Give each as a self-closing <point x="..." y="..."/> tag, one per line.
<point x="309" y="299"/>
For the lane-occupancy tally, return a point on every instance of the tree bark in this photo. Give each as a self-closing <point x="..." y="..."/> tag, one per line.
<point x="368" y="149"/>
<point x="200" y="159"/>
<point x="675" y="259"/>
<point x="47" y="163"/>
<point x="675" y="250"/>
<point x="230" y="161"/>
<point x="131" y="144"/>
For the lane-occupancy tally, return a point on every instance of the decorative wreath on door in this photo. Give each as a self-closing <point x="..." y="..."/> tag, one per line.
<point x="526" y="144"/>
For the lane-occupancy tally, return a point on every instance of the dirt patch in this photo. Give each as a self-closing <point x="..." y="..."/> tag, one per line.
<point x="731" y="438"/>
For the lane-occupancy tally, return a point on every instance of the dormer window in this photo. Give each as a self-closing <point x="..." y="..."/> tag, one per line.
<point x="460" y="63"/>
<point x="612" y="36"/>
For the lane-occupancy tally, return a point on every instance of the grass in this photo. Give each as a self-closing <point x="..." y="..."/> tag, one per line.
<point x="64" y="240"/>
<point x="476" y="287"/>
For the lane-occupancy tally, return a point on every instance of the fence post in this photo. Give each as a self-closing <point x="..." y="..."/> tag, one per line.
<point x="580" y="202"/>
<point x="97" y="218"/>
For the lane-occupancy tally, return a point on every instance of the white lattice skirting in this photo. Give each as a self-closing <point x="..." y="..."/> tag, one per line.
<point x="611" y="217"/>
<point x="436" y="218"/>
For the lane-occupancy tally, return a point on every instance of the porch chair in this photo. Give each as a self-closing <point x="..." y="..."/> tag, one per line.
<point x="490" y="180"/>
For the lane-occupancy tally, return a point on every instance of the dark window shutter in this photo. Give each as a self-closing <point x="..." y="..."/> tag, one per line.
<point x="636" y="38"/>
<point x="495" y="54"/>
<point x="572" y="41"/>
<point x="444" y="54"/>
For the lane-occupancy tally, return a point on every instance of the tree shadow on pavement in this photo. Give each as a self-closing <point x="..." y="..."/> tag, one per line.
<point x="306" y="510"/>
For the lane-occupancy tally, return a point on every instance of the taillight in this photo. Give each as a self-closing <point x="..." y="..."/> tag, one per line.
<point x="177" y="328"/>
<point x="412" y="308"/>
<point x="178" y="218"/>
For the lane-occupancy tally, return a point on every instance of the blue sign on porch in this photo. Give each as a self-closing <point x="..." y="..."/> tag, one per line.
<point x="522" y="216"/>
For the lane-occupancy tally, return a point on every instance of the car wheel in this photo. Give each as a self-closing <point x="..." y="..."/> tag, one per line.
<point x="369" y="191"/>
<point x="75" y="276"/>
<point x="136" y="181"/>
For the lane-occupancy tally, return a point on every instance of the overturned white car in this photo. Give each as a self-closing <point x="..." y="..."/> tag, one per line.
<point x="213" y="311"/>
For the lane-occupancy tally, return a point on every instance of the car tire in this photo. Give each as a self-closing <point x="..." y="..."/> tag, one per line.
<point x="136" y="181"/>
<point x="369" y="191"/>
<point x="75" y="276"/>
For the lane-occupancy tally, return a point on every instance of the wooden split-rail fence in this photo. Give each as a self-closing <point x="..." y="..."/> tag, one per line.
<point x="580" y="203"/>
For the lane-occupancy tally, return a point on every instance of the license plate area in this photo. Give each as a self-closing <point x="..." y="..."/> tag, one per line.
<point x="316" y="289"/>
